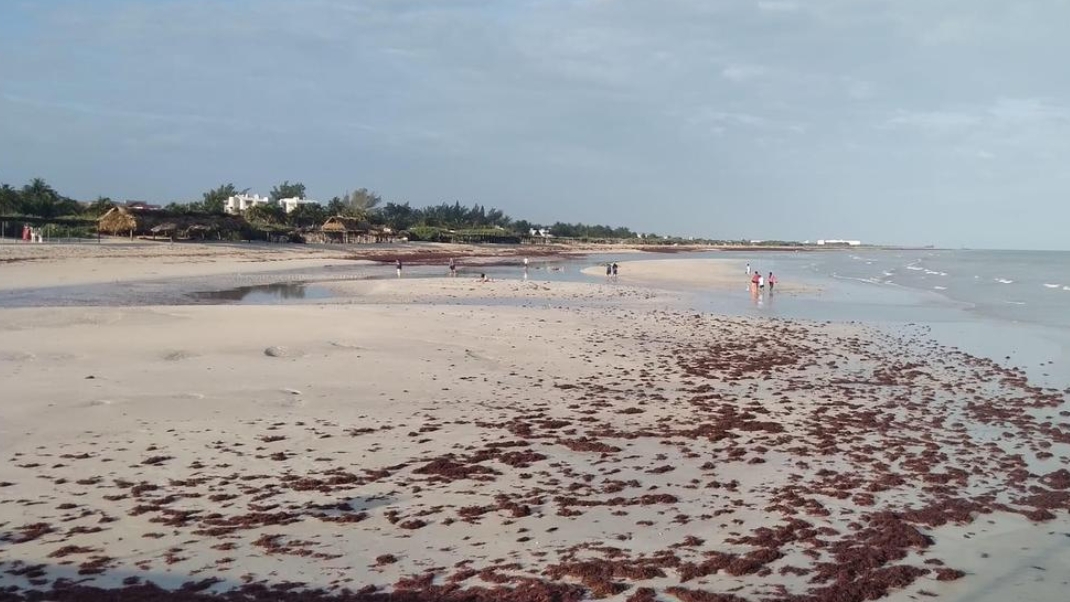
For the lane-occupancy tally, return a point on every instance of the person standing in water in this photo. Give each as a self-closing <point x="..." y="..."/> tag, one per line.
<point x="748" y="268"/>
<point x="614" y="270"/>
<point x="453" y="267"/>
<point x="754" y="284"/>
<point x="397" y="264"/>
<point x="609" y="270"/>
<point x="772" y="282"/>
<point x="761" y="283"/>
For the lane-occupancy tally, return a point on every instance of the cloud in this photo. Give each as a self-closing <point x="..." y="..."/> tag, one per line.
<point x="778" y="6"/>
<point x="1002" y="113"/>
<point x="934" y="120"/>
<point x="741" y="73"/>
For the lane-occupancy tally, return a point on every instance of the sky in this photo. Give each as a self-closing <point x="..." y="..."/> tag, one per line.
<point x="942" y="122"/>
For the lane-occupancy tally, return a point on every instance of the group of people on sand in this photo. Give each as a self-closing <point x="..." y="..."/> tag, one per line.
<point x="759" y="282"/>
<point x="611" y="270"/>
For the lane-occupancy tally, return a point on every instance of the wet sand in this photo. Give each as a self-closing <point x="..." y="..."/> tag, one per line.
<point x="573" y="441"/>
<point x="724" y="274"/>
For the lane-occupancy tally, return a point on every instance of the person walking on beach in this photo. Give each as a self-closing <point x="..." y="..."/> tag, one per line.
<point x="453" y="268"/>
<point x="609" y="270"/>
<point x="614" y="270"/>
<point x="397" y="264"/>
<point x="772" y="282"/>
<point x="754" y="284"/>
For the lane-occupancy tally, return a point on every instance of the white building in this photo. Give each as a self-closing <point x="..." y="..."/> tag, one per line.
<point x="239" y="203"/>
<point x="294" y="202"/>
<point x="849" y="243"/>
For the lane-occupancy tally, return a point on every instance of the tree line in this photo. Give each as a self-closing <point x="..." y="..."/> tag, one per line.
<point x="40" y="200"/>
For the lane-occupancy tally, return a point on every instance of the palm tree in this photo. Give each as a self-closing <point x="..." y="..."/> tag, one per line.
<point x="38" y="198"/>
<point x="360" y="203"/>
<point x="9" y="199"/>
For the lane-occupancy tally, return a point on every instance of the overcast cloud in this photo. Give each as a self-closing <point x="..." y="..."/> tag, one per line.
<point x="899" y="121"/>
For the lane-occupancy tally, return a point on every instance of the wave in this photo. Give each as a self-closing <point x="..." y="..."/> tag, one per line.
<point x="1015" y="302"/>
<point x="887" y="273"/>
<point x="915" y="268"/>
<point x="940" y="288"/>
<point x="1004" y="281"/>
<point x="866" y="280"/>
<point x="1046" y="285"/>
<point x="1066" y="288"/>
<point x="933" y="273"/>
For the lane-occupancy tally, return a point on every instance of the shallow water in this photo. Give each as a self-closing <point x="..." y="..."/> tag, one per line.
<point x="268" y="293"/>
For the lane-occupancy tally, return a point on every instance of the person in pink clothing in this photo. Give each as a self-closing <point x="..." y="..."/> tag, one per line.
<point x="772" y="282"/>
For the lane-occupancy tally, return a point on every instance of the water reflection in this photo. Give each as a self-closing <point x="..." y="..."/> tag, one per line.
<point x="267" y="293"/>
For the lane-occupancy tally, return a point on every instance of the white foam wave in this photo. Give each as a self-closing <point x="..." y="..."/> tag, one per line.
<point x="1004" y="281"/>
<point x="934" y="273"/>
<point x="1046" y="285"/>
<point x="1066" y="288"/>
<point x="1015" y="302"/>
<point x="940" y="288"/>
<point x="887" y="273"/>
<point x="915" y="268"/>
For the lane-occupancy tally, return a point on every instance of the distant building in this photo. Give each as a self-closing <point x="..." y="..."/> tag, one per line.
<point x="541" y="232"/>
<point x="237" y="204"/>
<point x="293" y="203"/>
<point x="839" y="243"/>
<point x="141" y="206"/>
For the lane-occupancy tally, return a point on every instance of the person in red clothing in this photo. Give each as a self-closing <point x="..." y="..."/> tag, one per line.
<point x="772" y="282"/>
<point x="754" y="282"/>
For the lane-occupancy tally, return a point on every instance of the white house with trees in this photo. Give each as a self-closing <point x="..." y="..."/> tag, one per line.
<point x="293" y="203"/>
<point x="239" y="203"/>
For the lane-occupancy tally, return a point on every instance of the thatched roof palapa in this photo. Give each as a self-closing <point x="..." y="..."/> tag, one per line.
<point x="341" y="223"/>
<point x="123" y="221"/>
<point x="117" y="220"/>
<point x="164" y="228"/>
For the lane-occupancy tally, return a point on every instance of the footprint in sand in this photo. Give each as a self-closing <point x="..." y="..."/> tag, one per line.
<point x="179" y="355"/>
<point x="280" y="351"/>
<point x="347" y="345"/>
<point x="17" y="356"/>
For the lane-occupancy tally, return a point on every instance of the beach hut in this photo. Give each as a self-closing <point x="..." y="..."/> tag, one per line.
<point x="118" y="220"/>
<point x="168" y="229"/>
<point x="344" y="229"/>
<point x="202" y="226"/>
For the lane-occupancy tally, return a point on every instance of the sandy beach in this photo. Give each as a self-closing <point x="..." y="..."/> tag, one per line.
<point x="446" y="439"/>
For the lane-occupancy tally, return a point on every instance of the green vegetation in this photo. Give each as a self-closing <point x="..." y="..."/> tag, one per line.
<point x="38" y="203"/>
<point x="37" y="199"/>
<point x="215" y="200"/>
<point x="286" y="190"/>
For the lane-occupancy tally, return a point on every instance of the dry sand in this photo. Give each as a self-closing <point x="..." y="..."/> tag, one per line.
<point x="446" y="439"/>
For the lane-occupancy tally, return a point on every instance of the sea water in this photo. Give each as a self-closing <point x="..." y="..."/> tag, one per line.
<point x="1009" y="306"/>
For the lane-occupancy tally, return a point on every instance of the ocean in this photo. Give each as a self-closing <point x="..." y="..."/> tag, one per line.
<point x="1010" y="306"/>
